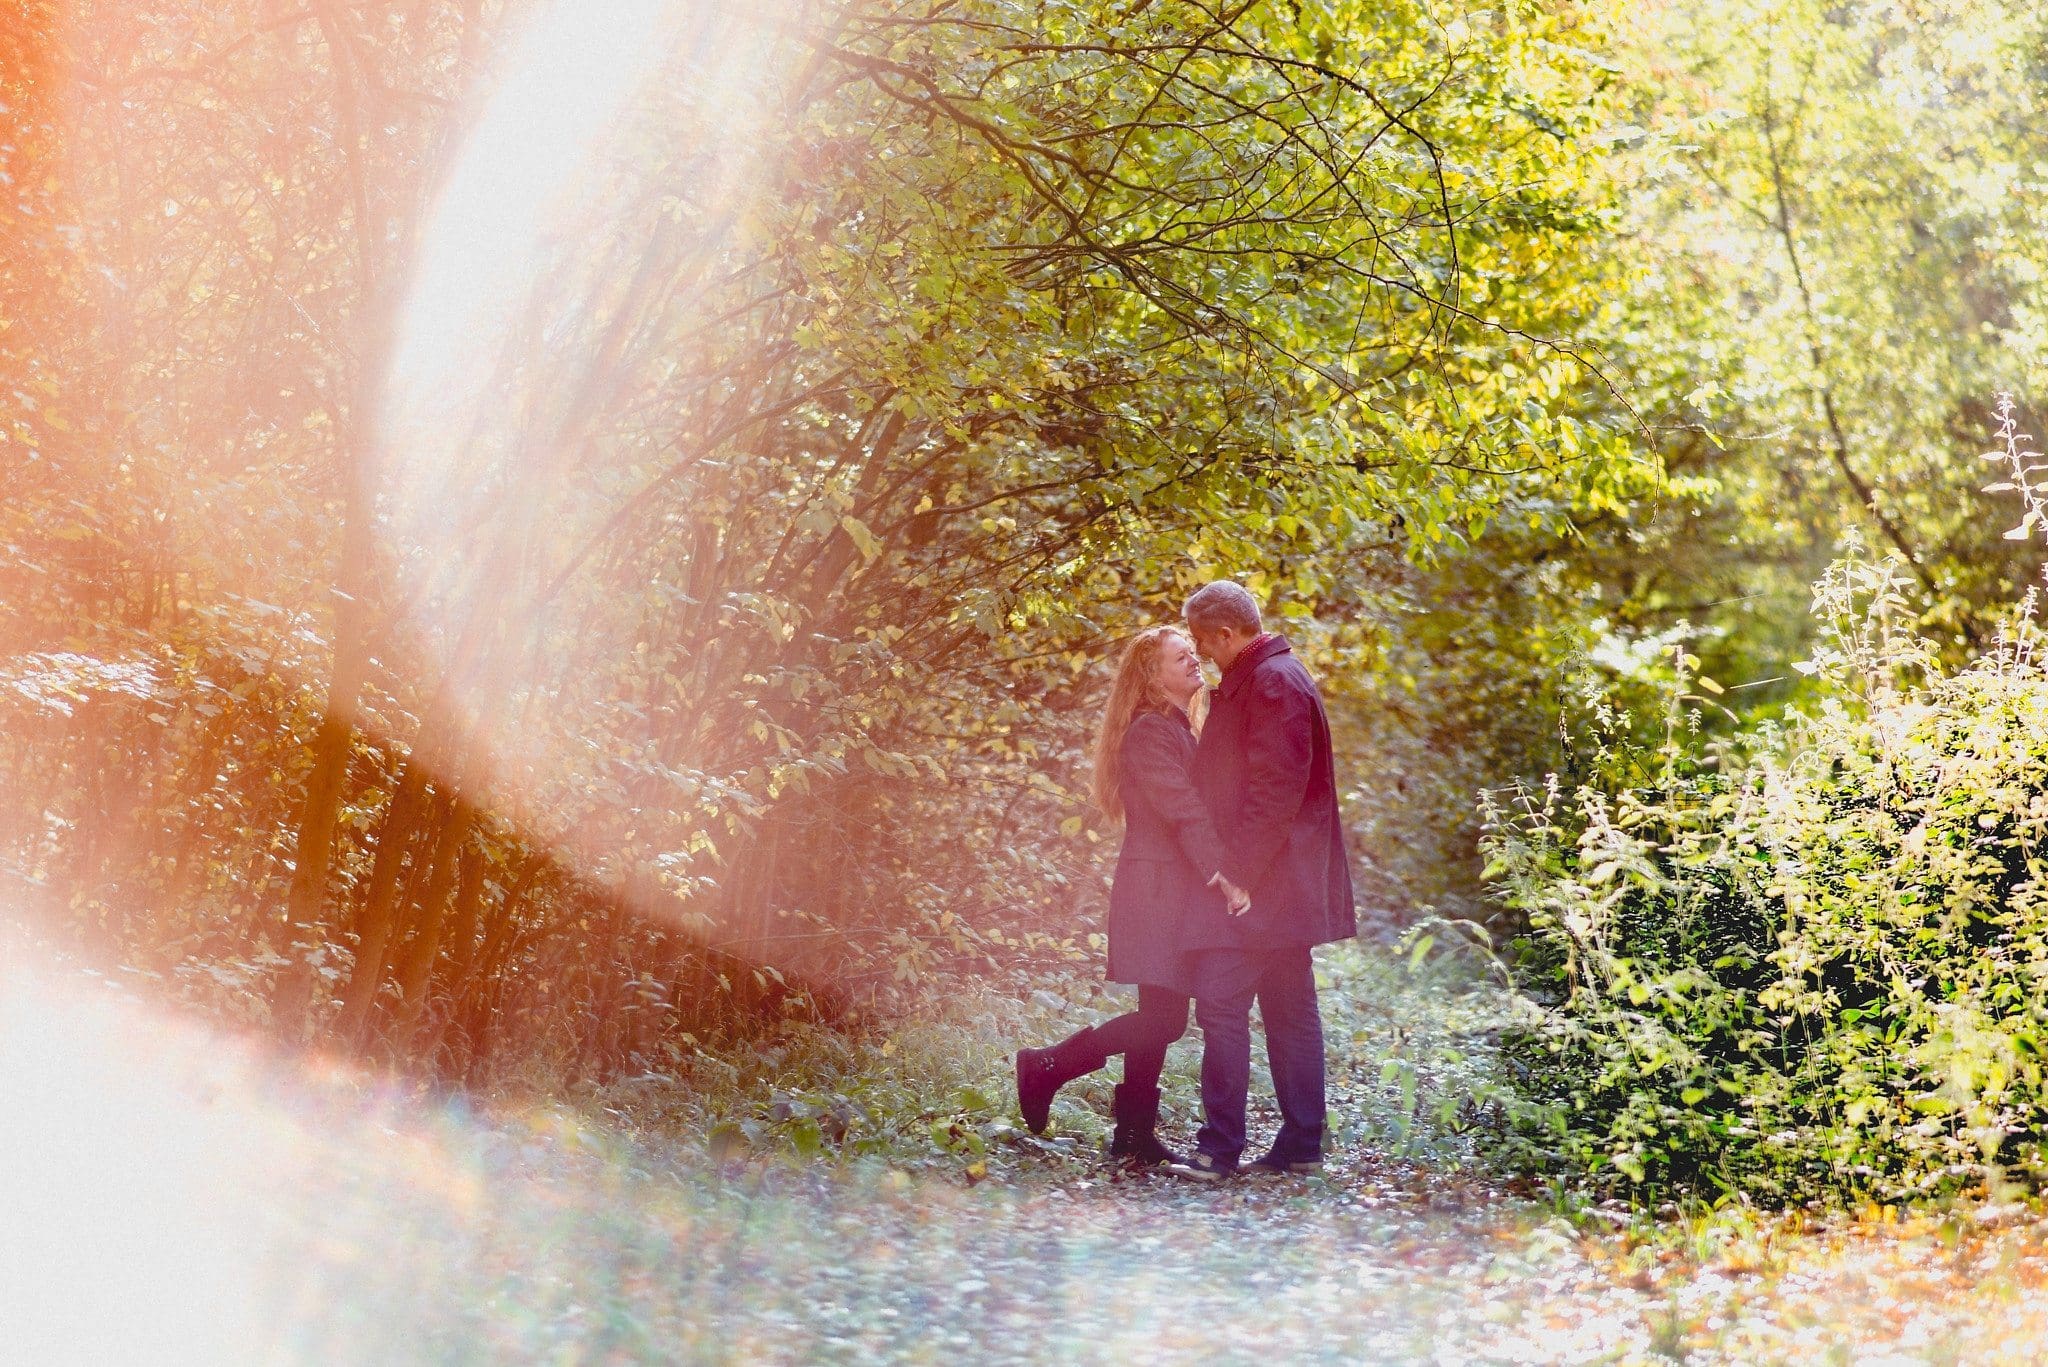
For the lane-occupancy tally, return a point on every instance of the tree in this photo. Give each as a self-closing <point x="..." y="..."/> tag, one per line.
<point x="721" y="610"/>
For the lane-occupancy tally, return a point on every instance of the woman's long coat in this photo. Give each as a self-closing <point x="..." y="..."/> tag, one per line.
<point x="1170" y="852"/>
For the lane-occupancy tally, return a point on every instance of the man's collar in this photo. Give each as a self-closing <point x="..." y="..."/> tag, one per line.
<point x="1264" y="647"/>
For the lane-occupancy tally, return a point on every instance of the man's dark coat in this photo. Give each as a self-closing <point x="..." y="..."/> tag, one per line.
<point x="1265" y="773"/>
<point x="1170" y="850"/>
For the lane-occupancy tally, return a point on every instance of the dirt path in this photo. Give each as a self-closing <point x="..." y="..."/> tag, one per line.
<point x="174" y="1197"/>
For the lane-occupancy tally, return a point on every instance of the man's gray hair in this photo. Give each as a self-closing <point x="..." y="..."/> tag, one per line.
<point x="1222" y="603"/>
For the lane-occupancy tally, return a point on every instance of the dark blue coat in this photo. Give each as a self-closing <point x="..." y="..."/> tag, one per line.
<point x="1266" y="774"/>
<point x="1169" y="853"/>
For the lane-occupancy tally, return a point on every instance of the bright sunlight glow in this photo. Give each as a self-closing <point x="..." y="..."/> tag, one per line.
<point x="531" y="151"/>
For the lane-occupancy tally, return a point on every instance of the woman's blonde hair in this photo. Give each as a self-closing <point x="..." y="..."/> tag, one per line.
<point x="1135" y="689"/>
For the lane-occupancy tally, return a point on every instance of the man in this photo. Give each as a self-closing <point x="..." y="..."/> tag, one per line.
<point x="1265" y="771"/>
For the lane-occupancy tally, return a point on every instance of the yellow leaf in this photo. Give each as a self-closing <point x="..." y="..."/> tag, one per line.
<point x="870" y="545"/>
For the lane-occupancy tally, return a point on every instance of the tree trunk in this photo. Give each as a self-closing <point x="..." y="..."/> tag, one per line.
<point x="415" y="967"/>
<point x="463" y="942"/>
<point x="378" y="916"/>
<point x="493" y="954"/>
<point x="306" y="902"/>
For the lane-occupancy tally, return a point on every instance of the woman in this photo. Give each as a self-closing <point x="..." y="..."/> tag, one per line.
<point x="1169" y="861"/>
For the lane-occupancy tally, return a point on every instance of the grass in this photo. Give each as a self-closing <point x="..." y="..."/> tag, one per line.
<point x="1411" y="1075"/>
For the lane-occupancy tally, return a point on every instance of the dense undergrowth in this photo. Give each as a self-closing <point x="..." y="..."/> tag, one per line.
<point x="1413" y="1075"/>
<point x="1808" y="963"/>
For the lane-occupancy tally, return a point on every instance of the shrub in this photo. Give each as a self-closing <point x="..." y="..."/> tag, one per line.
<point x="1810" y="964"/>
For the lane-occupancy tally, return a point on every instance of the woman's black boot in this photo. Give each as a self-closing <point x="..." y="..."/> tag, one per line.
<point x="1042" y="1072"/>
<point x="1135" y="1139"/>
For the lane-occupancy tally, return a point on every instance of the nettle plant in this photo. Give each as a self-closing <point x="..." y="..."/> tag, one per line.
<point x="1813" y="963"/>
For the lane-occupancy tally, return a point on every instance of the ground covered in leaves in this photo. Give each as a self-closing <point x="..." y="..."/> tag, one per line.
<point x="177" y="1197"/>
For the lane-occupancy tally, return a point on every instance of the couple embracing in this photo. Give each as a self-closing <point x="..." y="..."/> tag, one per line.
<point x="1232" y="870"/>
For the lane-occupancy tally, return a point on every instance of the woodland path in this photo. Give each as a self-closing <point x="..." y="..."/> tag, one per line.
<point x="177" y="1196"/>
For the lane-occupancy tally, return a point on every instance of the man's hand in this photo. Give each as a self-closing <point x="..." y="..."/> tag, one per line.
<point x="1236" y="898"/>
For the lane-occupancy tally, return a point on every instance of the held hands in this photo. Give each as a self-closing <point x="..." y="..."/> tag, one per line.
<point x="1237" y="899"/>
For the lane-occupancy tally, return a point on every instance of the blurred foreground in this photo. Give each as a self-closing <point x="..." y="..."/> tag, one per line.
<point x="175" y="1196"/>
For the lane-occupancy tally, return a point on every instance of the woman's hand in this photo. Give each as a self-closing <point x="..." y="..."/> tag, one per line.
<point x="1237" y="900"/>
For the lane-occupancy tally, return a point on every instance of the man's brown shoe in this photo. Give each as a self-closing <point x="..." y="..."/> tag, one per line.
<point x="1202" y="1167"/>
<point x="1269" y="1166"/>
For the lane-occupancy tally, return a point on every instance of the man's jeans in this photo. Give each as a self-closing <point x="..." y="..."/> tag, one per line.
<point x="1283" y="982"/>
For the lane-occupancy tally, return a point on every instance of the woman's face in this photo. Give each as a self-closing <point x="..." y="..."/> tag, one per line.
<point x="1179" y="671"/>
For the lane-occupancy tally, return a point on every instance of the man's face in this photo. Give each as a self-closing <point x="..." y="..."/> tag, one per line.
<point x="1215" y="643"/>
